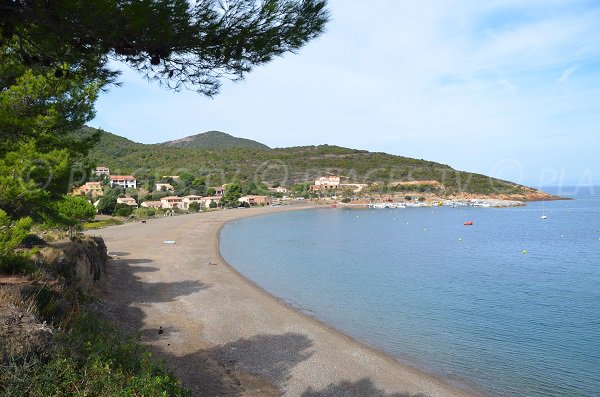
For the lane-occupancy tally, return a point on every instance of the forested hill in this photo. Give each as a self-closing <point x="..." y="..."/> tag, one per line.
<point x="215" y="140"/>
<point x="286" y="165"/>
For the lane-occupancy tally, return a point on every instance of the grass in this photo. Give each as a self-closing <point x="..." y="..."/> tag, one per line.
<point x="84" y="356"/>
<point x="101" y="224"/>
<point x="90" y="359"/>
<point x="16" y="264"/>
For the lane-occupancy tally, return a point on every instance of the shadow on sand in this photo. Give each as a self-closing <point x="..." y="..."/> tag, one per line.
<point x="257" y="366"/>
<point x="361" y="388"/>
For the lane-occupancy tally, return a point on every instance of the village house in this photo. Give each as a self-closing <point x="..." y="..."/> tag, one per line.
<point x="167" y="187"/>
<point x="187" y="200"/>
<point x="171" y="202"/>
<point x="127" y="201"/>
<point x="174" y="177"/>
<point x="279" y="189"/>
<point x="326" y="182"/>
<point x="219" y="190"/>
<point x="124" y="181"/>
<point x="206" y="201"/>
<point x="255" y="200"/>
<point x="90" y="188"/>
<point x="99" y="171"/>
<point x="152" y="204"/>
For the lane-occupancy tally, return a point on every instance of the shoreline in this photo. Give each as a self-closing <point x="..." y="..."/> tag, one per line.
<point x="461" y="385"/>
<point x="329" y="361"/>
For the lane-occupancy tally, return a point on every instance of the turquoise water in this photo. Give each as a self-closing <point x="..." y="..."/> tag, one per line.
<point x="463" y="302"/>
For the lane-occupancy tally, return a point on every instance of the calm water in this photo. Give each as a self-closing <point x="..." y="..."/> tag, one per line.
<point x="462" y="302"/>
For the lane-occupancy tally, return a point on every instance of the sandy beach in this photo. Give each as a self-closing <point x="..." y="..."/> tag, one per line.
<point x="222" y="335"/>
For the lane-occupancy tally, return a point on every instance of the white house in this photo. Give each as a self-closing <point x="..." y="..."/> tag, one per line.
<point x="255" y="200"/>
<point x="206" y="201"/>
<point x="101" y="171"/>
<point x="128" y="201"/>
<point x="125" y="181"/>
<point x="187" y="200"/>
<point x="152" y="204"/>
<point x="219" y="190"/>
<point x="326" y="182"/>
<point x="168" y="187"/>
<point x="172" y="202"/>
<point x="279" y="189"/>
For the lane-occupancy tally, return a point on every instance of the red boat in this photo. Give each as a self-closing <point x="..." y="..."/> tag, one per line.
<point x="468" y="223"/>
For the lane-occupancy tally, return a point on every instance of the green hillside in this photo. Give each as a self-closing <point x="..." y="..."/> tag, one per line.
<point x="215" y="140"/>
<point x="285" y="165"/>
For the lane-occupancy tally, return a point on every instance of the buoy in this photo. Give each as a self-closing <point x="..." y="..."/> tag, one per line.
<point x="524" y="252"/>
<point x="460" y="239"/>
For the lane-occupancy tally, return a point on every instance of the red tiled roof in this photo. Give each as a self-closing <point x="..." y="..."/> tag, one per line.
<point x="126" y="177"/>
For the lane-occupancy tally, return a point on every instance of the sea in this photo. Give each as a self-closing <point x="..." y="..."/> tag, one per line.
<point x="509" y="306"/>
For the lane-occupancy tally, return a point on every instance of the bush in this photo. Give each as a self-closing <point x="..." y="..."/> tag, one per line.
<point x="91" y="359"/>
<point x="346" y="200"/>
<point x="107" y="205"/>
<point x="12" y="233"/>
<point x="123" y="210"/>
<point x="194" y="206"/>
<point x="15" y="264"/>
<point x="144" y="212"/>
<point x="101" y="224"/>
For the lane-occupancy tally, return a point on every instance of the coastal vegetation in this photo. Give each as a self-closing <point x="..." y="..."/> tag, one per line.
<point x="294" y="166"/>
<point x="54" y="61"/>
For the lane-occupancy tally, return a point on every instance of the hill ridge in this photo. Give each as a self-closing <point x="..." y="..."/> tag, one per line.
<point x="289" y="166"/>
<point x="215" y="140"/>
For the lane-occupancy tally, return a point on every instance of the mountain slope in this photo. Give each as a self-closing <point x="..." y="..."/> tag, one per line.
<point x="215" y="140"/>
<point x="289" y="166"/>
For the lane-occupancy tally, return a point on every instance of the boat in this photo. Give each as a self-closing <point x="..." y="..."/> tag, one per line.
<point x="469" y="223"/>
<point x="543" y="212"/>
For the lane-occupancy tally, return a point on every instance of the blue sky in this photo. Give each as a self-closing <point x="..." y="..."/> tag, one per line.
<point x="505" y="88"/>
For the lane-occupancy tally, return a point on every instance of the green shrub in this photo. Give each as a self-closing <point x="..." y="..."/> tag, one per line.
<point x="15" y="264"/>
<point x="91" y="359"/>
<point x="144" y="212"/>
<point x="194" y="206"/>
<point x="100" y="224"/>
<point x="123" y="210"/>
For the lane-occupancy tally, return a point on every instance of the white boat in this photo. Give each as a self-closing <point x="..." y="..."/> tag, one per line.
<point x="543" y="212"/>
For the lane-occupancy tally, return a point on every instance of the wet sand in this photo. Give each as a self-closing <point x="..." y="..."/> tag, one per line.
<point x="222" y="335"/>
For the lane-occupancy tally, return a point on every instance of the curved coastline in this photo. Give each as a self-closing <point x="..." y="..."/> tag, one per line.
<point x="461" y="385"/>
<point x="225" y="335"/>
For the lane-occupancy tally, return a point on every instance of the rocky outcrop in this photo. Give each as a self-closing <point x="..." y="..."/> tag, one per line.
<point x="82" y="262"/>
<point x="26" y="301"/>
